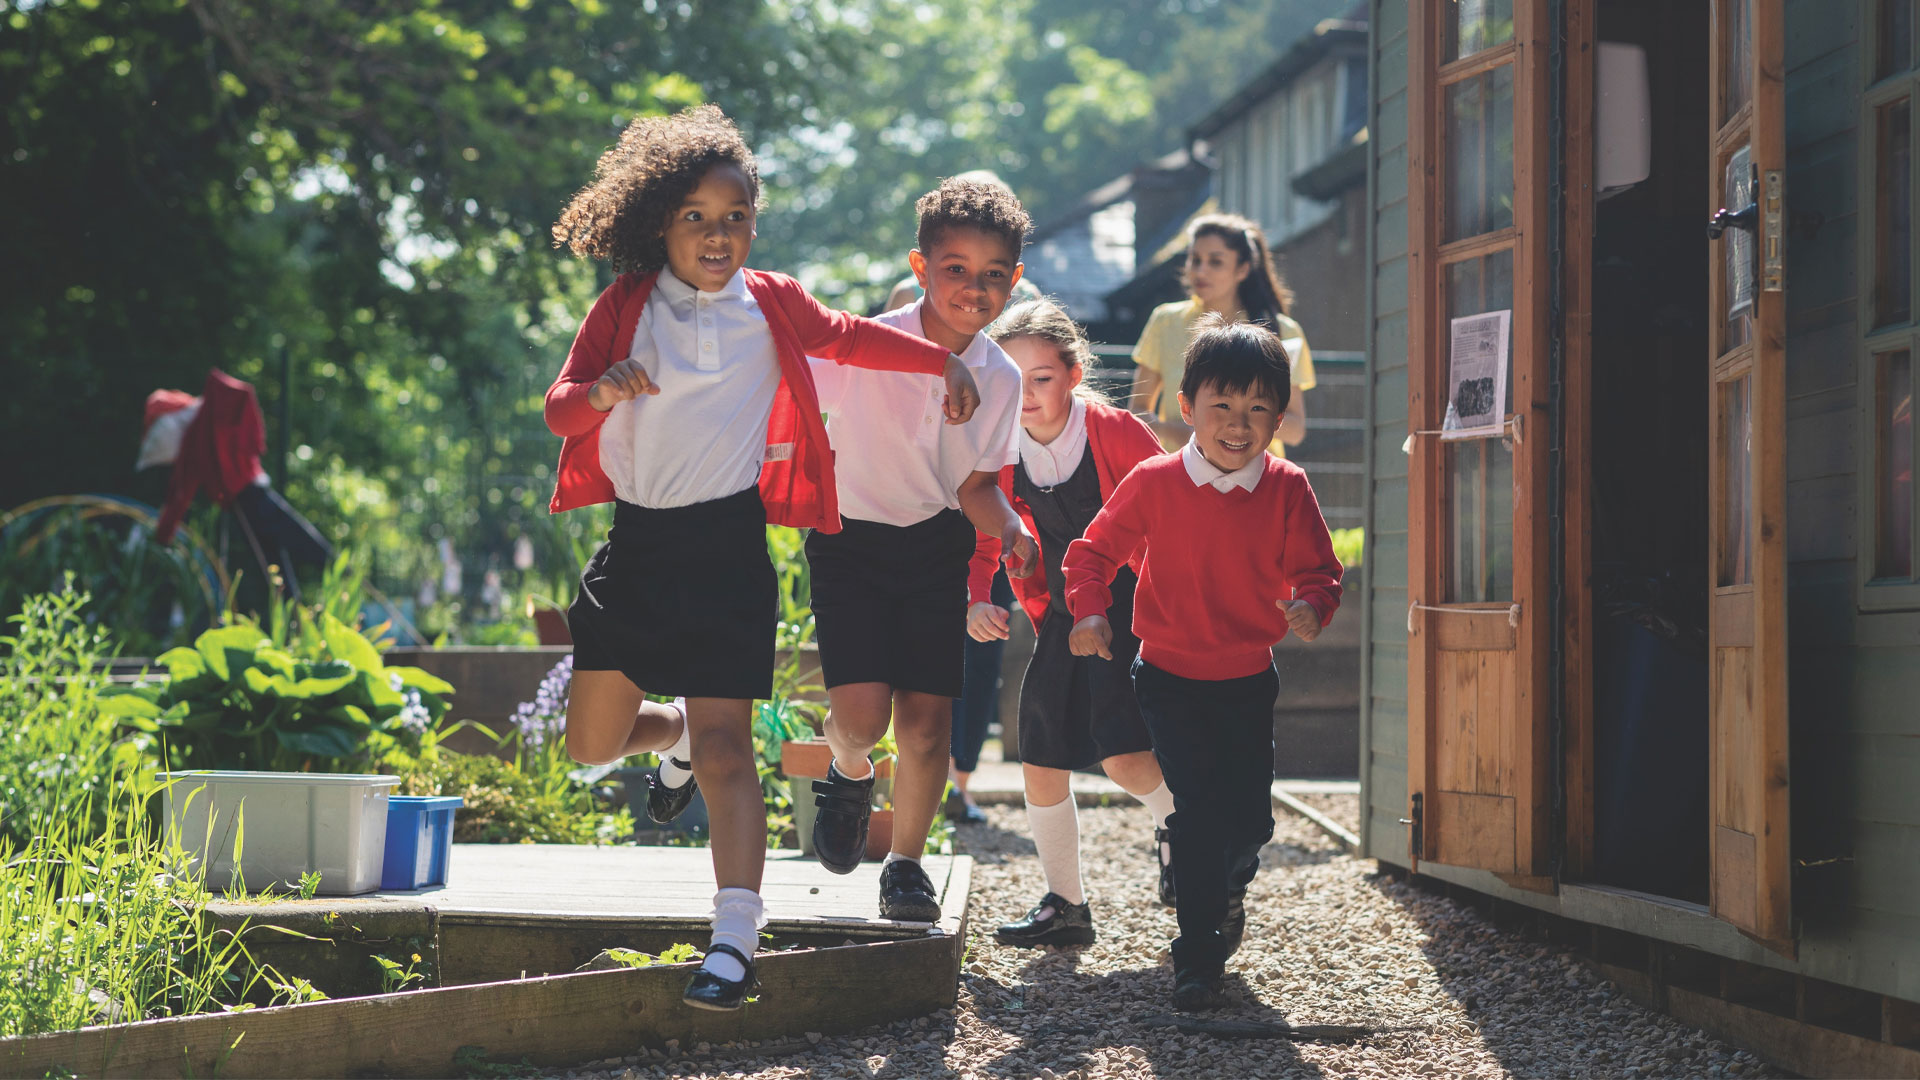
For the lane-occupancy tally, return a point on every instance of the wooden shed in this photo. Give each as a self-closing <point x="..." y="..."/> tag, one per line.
<point x="1642" y="602"/>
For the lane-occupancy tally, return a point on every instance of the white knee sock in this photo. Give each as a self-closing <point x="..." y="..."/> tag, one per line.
<point x="670" y="774"/>
<point x="738" y="915"/>
<point x="1056" y="838"/>
<point x="1159" y="802"/>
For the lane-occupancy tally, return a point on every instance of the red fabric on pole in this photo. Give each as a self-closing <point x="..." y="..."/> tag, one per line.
<point x="220" y="452"/>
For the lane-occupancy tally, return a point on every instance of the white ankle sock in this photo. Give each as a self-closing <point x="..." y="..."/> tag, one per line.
<point x="840" y="767"/>
<point x="670" y="774"/>
<point x="1056" y="839"/>
<point x="1159" y="802"/>
<point x="738" y="915"/>
<point x="892" y="855"/>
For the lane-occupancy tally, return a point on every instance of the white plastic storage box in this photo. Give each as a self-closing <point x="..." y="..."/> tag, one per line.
<point x="288" y="824"/>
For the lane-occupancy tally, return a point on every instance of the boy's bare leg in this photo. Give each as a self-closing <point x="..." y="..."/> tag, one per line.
<point x="723" y="765"/>
<point x="609" y="718"/>
<point x="857" y="718"/>
<point x="923" y="728"/>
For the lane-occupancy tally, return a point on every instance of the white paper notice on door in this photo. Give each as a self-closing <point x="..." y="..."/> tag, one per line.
<point x="1477" y="376"/>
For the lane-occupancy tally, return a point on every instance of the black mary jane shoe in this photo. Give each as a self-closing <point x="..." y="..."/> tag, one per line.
<point x="1233" y="928"/>
<point x="840" y="829"/>
<point x="666" y="803"/>
<point x="1070" y="924"/>
<point x="715" y="994"/>
<point x="906" y="893"/>
<point x="1163" y="856"/>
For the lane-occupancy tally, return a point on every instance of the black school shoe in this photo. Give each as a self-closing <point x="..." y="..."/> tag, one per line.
<point x="840" y="829"/>
<point x="1070" y="924"/>
<point x="1163" y="855"/>
<point x="715" y="994"/>
<point x="1233" y="928"/>
<point x="1193" y="992"/>
<point x="906" y="892"/>
<point x="666" y="803"/>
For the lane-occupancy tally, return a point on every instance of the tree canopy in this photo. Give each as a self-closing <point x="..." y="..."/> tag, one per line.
<point x="362" y="193"/>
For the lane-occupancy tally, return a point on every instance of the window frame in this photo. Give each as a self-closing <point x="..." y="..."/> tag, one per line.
<point x="1874" y="594"/>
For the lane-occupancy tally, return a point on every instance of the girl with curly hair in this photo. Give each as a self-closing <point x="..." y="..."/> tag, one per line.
<point x="688" y="402"/>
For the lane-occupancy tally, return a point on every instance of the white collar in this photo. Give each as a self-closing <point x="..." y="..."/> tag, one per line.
<point x="1203" y="472"/>
<point x="679" y="293"/>
<point x="1052" y="463"/>
<point x="978" y="351"/>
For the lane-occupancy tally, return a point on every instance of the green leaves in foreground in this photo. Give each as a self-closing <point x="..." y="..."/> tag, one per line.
<point x="237" y="700"/>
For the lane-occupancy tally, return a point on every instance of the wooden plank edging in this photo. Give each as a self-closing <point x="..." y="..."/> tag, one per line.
<point x="557" y="1020"/>
<point x="1339" y="832"/>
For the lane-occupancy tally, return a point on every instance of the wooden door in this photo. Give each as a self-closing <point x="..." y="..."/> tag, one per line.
<point x="1478" y="206"/>
<point x="1747" y="486"/>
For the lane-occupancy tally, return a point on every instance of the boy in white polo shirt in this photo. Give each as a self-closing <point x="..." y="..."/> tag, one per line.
<point x="890" y="589"/>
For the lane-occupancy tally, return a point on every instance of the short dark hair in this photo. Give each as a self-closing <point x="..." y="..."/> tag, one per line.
<point x="977" y="204"/>
<point x="1233" y="357"/>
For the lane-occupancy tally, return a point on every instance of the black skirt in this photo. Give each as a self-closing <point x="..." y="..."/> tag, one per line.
<point x="890" y="603"/>
<point x="683" y="602"/>
<point x="1078" y="710"/>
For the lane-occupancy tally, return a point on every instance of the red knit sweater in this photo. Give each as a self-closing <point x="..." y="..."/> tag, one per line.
<point x="1216" y="564"/>
<point x="1118" y="441"/>
<point x="796" y="481"/>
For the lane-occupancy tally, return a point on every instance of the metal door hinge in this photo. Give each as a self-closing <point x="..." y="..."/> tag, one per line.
<point x="1414" y="834"/>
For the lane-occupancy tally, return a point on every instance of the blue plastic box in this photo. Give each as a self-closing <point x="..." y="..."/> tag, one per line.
<point x="419" y="840"/>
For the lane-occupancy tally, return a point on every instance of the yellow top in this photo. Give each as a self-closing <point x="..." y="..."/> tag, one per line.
<point x="1163" y="348"/>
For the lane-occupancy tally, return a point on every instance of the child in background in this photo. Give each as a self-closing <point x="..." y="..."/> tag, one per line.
<point x="687" y="400"/>
<point x="1230" y="272"/>
<point x="1225" y="525"/>
<point x="890" y="590"/>
<point x="1074" y="710"/>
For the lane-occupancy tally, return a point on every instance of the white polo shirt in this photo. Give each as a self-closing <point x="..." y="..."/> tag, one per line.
<point x="1052" y="463"/>
<point x="895" y="457"/>
<point x="704" y="435"/>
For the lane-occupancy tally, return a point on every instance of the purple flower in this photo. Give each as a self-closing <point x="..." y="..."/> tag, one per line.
<point x="546" y="715"/>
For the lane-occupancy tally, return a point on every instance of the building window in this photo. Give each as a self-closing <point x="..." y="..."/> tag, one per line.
<point x="1890" y="338"/>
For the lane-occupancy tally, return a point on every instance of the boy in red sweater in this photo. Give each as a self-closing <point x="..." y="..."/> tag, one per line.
<point x="1234" y="555"/>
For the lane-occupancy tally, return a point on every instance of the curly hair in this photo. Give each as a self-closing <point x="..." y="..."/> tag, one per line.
<point x="989" y="206"/>
<point x="643" y="179"/>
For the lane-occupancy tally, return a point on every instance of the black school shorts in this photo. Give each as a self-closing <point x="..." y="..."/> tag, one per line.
<point x="890" y="603"/>
<point x="682" y="601"/>
<point x="1078" y="710"/>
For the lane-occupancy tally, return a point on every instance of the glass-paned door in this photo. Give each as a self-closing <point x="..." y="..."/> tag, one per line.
<point x="1747" y="485"/>
<point x="1478" y="213"/>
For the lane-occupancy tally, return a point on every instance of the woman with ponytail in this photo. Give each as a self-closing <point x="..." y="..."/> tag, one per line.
<point x="1229" y="271"/>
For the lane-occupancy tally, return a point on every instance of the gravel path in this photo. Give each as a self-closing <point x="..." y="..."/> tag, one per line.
<point x="1328" y="942"/>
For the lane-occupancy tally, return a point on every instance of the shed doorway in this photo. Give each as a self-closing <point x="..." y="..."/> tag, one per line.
<point x="1647" y="479"/>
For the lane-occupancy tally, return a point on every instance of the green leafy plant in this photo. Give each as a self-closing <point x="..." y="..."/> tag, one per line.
<point x="239" y="699"/>
<point x="681" y="953"/>
<point x="504" y="805"/>
<point x="1349" y="546"/>
<point x="395" y="976"/>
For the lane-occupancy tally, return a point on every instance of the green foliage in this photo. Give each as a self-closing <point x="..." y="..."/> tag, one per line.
<point x="64" y="747"/>
<point x="105" y="926"/>
<point x="238" y="700"/>
<point x="681" y="953"/>
<point x="504" y="805"/>
<point x="1349" y="545"/>
<point x="396" y="976"/>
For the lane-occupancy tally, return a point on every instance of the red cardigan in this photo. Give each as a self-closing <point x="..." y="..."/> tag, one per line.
<point x="796" y="480"/>
<point x="1215" y="565"/>
<point x="1118" y="441"/>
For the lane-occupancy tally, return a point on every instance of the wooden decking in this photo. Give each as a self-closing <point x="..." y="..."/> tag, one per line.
<point x="506" y="937"/>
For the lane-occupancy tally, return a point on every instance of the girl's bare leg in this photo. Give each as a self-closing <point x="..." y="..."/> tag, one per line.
<point x="723" y="764"/>
<point x="1046" y="787"/>
<point x="1139" y="772"/>
<point x="609" y="718"/>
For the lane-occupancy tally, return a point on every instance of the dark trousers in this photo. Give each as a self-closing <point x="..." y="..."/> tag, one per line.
<point x="978" y="705"/>
<point x="1214" y="740"/>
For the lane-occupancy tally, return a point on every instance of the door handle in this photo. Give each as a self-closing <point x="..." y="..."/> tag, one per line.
<point x="1747" y="218"/>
